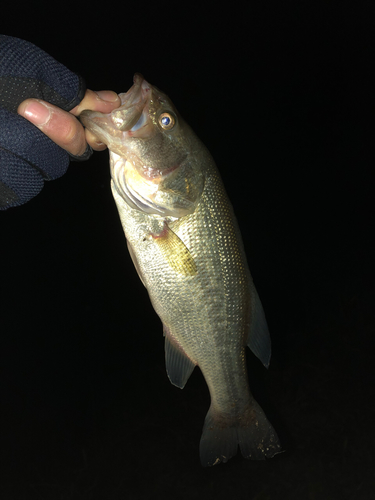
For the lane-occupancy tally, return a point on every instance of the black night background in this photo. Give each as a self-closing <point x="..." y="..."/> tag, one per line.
<point x="283" y="95"/>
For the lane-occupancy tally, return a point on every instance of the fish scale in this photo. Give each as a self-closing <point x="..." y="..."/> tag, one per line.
<point x="186" y="246"/>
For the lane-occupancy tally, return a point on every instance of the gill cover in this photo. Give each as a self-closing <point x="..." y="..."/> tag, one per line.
<point x="174" y="194"/>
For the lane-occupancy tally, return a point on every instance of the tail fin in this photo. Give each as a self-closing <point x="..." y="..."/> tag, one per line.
<point x="251" y="431"/>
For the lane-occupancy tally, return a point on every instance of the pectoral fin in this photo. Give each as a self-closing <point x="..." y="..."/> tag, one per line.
<point x="175" y="252"/>
<point x="179" y="366"/>
<point x="259" y="339"/>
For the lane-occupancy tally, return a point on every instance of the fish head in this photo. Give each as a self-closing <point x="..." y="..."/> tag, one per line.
<point x="153" y="165"/>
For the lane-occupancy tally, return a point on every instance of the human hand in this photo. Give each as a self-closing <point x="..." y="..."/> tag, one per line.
<point x="62" y="127"/>
<point x="29" y="154"/>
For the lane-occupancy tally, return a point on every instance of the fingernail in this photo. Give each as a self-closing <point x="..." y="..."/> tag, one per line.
<point x="37" y="113"/>
<point x="107" y="95"/>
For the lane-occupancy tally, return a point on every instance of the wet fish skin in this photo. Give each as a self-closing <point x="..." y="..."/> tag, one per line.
<point x="186" y="246"/>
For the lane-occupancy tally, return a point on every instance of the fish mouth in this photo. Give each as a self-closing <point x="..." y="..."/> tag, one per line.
<point x="133" y="103"/>
<point x="109" y="127"/>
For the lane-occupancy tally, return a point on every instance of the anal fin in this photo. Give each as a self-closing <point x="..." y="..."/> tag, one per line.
<point x="179" y="366"/>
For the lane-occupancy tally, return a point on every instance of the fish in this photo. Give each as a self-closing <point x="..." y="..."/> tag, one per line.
<point x="186" y="246"/>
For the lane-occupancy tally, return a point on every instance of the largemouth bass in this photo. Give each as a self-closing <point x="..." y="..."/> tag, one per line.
<point x="184" y="241"/>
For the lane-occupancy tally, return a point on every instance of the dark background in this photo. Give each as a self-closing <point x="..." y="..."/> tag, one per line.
<point x="283" y="95"/>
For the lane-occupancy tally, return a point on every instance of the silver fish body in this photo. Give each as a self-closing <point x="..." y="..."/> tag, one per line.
<point x="185" y="244"/>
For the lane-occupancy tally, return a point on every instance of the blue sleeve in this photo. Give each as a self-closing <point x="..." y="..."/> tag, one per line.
<point x="27" y="156"/>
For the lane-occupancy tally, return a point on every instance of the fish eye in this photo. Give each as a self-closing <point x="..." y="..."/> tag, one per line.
<point x="167" y="121"/>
